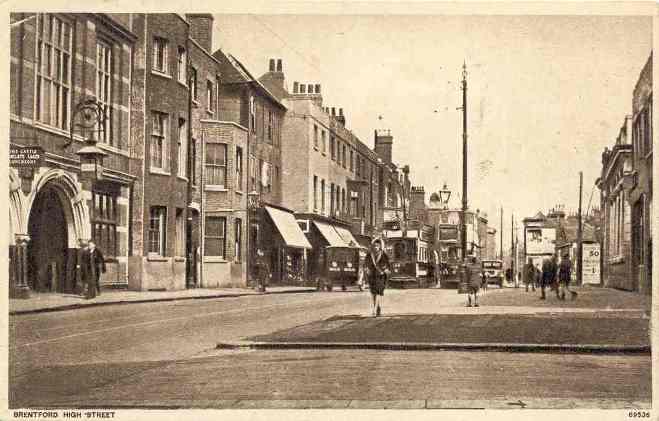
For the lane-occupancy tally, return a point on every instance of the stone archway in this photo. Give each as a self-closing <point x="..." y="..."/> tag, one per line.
<point x="57" y="220"/>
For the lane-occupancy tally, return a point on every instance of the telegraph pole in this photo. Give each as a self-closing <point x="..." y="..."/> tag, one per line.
<point x="512" y="246"/>
<point x="501" y="236"/>
<point x="463" y="215"/>
<point x="580" y="235"/>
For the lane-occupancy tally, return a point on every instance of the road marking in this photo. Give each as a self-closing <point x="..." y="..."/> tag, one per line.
<point x="109" y="329"/>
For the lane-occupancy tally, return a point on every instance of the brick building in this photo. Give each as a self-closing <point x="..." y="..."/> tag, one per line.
<point x="640" y="193"/>
<point x="159" y="119"/>
<point x="251" y="106"/>
<point x="57" y="61"/>
<point x="614" y="183"/>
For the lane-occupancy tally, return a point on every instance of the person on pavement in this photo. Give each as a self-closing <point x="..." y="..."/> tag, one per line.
<point x="509" y="276"/>
<point x="564" y="276"/>
<point x="549" y="269"/>
<point x="473" y="282"/>
<point x="377" y="271"/>
<point x="530" y="275"/>
<point x="93" y="263"/>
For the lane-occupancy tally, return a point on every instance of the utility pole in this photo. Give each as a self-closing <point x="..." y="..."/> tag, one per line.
<point x="512" y="246"/>
<point x="580" y="235"/>
<point x="463" y="214"/>
<point x="501" y="236"/>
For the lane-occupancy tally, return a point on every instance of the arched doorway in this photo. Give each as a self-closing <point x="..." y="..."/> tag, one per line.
<point x="50" y="263"/>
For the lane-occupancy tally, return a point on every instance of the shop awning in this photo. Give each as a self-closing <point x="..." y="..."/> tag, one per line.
<point x="348" y="237"/>
<point x="330" y="234"/>
<point x="288" y="228"/>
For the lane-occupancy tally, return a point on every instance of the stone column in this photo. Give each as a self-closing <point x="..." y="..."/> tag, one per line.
<point x="20" y="289"/>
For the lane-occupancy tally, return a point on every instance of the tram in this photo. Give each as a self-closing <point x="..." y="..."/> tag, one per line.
<point x="410" y="255"/>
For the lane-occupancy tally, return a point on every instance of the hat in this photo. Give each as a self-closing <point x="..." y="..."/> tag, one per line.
<point x="378" y="240"/>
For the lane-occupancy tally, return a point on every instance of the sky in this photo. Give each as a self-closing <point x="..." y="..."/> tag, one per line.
<point x="546" y="94"/>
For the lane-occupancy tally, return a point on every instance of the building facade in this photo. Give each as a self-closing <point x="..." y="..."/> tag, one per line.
<point x="640" y="193"/>
<point x="614" y="183"/>
<point x="57" y="62"/>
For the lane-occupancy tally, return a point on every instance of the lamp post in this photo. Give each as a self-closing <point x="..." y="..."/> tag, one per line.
<point x="253" y="204"/>
<point x="92" y="119"/>
<point x="463" y="213"/>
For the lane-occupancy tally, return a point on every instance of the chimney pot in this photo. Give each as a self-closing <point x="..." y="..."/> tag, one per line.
<point x="310" y="88"/>
<point x="333" y="111"/>
<point x="279" y="67"/>
<point x="272" y="64"/>
<point x="318" y="88"/>
<point x="295" y="87"/>
<point x="341" y="112"/>
<point x="303" y="88"/>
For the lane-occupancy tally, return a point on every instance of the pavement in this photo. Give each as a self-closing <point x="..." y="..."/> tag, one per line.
<point x="599" y="320"/>
<point x="43" y="302"/>
<point x="163" y="355"/>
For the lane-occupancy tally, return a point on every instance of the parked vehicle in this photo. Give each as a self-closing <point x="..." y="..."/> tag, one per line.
<point x="493" y="271"/>
<point x="342" y="267"/>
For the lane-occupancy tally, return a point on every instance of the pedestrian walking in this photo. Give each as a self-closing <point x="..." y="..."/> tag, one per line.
<point x="564" y="277"/>
<point x="530" y="274"/>
<point x="484" y="282"/>
<point x="93" y="263"/>
<point x="549" y="269"/>
<point x="509" y="275"/>
<point x="474" y="283"/>
<point x="377" y="271"/>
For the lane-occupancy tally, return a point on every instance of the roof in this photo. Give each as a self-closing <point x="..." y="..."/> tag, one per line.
<point x="568" y="231"/>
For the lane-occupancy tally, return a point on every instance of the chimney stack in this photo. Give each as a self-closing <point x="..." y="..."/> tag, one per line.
<point x="279" y="66"/>
<point x="383" y="145"/>
<point x="333" y="112"/>
<point x="295" y="87"/>
<point x="201" y="29"/>
<point x="272" y="65"/>
<point x="310" y="88"/>
<point x="341" y="118"/>
<point x="303" y="88"/>
<point x="317" y="88"/>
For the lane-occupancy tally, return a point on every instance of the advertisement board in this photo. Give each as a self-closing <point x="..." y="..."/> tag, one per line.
<point x="591" y="264"/>
<point x="540" y="240"/>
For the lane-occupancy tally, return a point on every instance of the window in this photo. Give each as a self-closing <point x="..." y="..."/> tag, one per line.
<point x="315" y="192"/>
<point x="193" y="160"/>
<point x="159" y="158"/>
<point x="179" y="249"/>
<point x="332" y="199"/>
<point x="322" y="196"/>
<point x="315" y="136"/>
<point x="252" y="114"/>
<point x="332" y="150"/>
<point x="252" y="171"/>
<point x="214" y="238"/>
<point x="193" y="84"/>
<point x="239" y="168"/>
<point x="352" y="161"/>
<point x="343" y="156"/>
<point x="322" y="135"/>
<point x="238" y="224"/>
<point x="182" y="148"/>
<point x="210" y="97"/>
<point x="160" y="55"/>
<point x="104" y="222"/>
<point x="53" y="90"/>
<point x="181" y="65"/>
<point x="157" y="230"/>
<point x="270" y="125"/>
<point x="359" y="163"/>
<point x="104" y="90"/>
<point x="216" y="164"/>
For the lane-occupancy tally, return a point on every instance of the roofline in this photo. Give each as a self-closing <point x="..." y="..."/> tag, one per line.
<point x="259" y="84"/>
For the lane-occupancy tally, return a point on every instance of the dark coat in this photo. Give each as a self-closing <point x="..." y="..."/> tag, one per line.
<point x="375" y="272"/>
<point x="92" y="265"/>
<point x="565" y="270"/>
<point x="549" y="270"/>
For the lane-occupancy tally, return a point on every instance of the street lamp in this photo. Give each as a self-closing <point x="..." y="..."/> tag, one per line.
<point x="444" y="195"/>
<point x="92" y="119"/>
<point x="253" y="204"/>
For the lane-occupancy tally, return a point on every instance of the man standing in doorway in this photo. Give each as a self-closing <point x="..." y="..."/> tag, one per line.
<point x="93" y="263"/>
